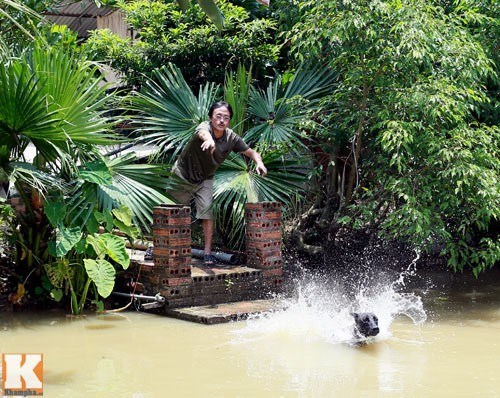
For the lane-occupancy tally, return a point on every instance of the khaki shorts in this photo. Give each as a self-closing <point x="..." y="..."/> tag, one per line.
<point x="202" y="193"/>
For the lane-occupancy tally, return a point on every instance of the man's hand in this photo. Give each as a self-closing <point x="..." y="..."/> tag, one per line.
<point x="208" y="144"/>
<point x="261" y="169"/>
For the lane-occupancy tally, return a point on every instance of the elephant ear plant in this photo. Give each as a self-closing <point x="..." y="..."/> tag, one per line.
<point x="107" y="195"/>
<point x="84" y="258"/>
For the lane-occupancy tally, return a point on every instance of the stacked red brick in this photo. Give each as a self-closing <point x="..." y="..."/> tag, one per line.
<point x="172" y="252"/>
<point x="263" y="240"/>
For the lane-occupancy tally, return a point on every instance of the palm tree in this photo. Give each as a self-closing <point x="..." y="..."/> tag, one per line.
<point x="269" y="120"/>
<point x="49" y="102"/>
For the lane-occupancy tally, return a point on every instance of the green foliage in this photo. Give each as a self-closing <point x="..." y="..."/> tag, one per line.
<point x="7" y="225"/>
<point x="102" y="274"/>
<point x="411" y="84"/>
<point x="236" y="93"/>
<point x="21" y="22"/>
<point x="110" y="245"/>
<point x="286" y="13"/>
<point x="53" y="102"/>
<point x="166" y="35"/>
<point x="66" y="239"/>
<point x="111" y="183"/>
<point x="51" y="95"/>
<point x="50" y="101"/>
<point x="235" y="185"/>
<point x="210" y="8"/>
<point x="274" y="122"/>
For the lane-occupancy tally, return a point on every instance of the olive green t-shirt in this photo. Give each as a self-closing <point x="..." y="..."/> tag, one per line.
<point x="197" y="165"/>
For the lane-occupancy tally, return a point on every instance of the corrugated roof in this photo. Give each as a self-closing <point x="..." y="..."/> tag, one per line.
<point x="79" y="16"/>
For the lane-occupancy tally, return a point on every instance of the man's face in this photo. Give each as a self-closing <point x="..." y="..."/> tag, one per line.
<point x="220" y="119"/>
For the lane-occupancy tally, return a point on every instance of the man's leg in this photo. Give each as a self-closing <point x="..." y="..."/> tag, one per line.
<point x="180" y="190"/>
<point x="204" y="200"/>
<point x="208" y="234"/>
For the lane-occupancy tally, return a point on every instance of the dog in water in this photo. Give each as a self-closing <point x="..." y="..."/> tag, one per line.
<point x="365" y="325"/>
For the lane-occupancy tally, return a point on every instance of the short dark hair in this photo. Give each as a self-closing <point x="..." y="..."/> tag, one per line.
<point x="220" y="104"/>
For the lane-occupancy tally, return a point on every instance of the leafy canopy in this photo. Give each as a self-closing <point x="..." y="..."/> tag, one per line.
<point x="411" y="83"/>
<point x="187" y="39"/>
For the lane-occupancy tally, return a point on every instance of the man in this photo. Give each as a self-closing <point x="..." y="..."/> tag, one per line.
<point x="210" y="145"/>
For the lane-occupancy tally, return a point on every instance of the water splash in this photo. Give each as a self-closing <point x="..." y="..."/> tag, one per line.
<point x="319" y="307"/>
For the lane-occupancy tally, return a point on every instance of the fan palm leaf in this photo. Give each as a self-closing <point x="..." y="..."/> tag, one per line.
<point x="106" y="184"/>
<point x="23" y="106"/>
<point x="49" y="98"/>
<point x="235" y="185"/>
<point x="276" y="123"/>
<point x="310" y="82"/>
<point x="78" y="97"/>
<point x="280" y="109"/>
<point x="168" y="111"/>
<point x="236" y="93"/>
<point x="23" y="173"/>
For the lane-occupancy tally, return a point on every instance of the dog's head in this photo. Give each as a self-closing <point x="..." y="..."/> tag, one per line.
<point x="366" y="324"/>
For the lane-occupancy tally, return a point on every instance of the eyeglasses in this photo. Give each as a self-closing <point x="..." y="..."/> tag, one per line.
<point x="221" y="117"/>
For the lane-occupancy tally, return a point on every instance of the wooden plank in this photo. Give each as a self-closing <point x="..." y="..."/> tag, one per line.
<point x="226" y="312"/>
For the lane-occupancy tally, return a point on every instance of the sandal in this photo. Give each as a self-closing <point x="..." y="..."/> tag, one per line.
<point x="209" y="260"/>
<point x="148" y="256"/>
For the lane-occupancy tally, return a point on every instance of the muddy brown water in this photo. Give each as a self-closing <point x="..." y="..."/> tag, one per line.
<point x="454" y="352"/>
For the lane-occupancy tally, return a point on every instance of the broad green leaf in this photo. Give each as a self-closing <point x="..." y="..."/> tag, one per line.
<point x="99" y="217"/>
<point x="106" y="217"/>
<point x="97" y="244"/>
<point x="81" y="246"/>
<point x="55" y="212"/>
<point x="66" y="239"/>
<point x="59" y="272"/>
<point x="102" y="274"/>
<point x="124" y="215"/>
<point x="116" y="249"/>
<point x="96" y="172"/>
<point x="131" y="231"/>
<point x="92" y="224"/>
<point x="109" y="220"/>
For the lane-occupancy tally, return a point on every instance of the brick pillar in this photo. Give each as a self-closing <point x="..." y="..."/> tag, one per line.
<point x="172" y="252"/>
<point x="263" y="240"/>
